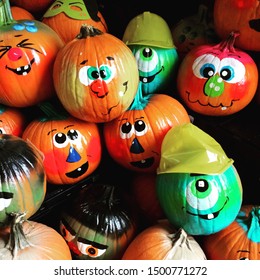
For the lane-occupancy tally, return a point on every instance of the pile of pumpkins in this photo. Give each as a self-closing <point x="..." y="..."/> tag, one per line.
<point x="94" y="95"/>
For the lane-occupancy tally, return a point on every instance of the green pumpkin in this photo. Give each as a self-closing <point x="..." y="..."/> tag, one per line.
<point x="98" y="224"/>
<point x="202" y="204"/>
<point x="22" y="178"/>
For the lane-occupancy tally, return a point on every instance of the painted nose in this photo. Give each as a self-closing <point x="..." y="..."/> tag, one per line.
<point x="73" y="155"/>
<point x="136" y="147"/>
<point x="15" y="54"/>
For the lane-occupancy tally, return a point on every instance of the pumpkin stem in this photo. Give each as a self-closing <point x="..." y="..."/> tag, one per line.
<point x="88" y="31"/>
<point x="228" y="44"/>
<point x="254" y="224"/>
<point x="17" y="239"/>
<point x="51" y="113"/>
<point x="6" y="16"/>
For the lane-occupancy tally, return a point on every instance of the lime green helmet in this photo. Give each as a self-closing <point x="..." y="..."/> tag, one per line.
<point x="148" y="29"/>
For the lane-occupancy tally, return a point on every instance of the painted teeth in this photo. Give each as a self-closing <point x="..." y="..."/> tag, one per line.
<point x="210" y="216"/>
<point x="4" y="203"/>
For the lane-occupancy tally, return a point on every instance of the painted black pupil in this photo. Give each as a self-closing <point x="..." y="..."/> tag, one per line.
<point x="202" y="185"/>
<point x="60" y="138"/>
<point x="147" y="52"/>
<point x="92" y="251"/>
<point x="72" y="134"/>
<point x="126" y="128"/>
<point x="139" y="125"/>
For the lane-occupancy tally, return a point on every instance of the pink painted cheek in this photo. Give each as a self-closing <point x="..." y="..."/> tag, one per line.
<point x="94" y="150"/>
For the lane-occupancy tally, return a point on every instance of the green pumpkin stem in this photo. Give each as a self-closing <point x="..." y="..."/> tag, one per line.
<point x="6" y="16"/>
<point x="140" y="101"/>
<point x="51" y="112"/>
<point x="17" y="239"/>
<point x="88" y="31"/>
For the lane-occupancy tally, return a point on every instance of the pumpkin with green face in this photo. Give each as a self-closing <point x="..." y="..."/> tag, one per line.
<point x="12" y="120"/>
<point x="198" y="187"/>
<point x="217" y="79"/>
<point x="240" y="240"/>
<point x="22" y="178"/>
<point x="28" y="49"/>
<point x="99" y="224"/>
<point x="149" y="38"/>
<point x="134" y="139"/>
<point x="71" y="147"/>
<point x="95" y="76"/>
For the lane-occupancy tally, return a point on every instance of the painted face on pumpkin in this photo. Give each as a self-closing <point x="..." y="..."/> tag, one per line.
<point x="156" y="66"/>
<point x="18" y="57"/>
<point x="83" y="247"/>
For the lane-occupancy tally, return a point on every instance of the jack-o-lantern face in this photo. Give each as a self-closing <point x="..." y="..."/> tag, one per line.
<point x="71" y="148"/>
<point x="104" y="79"/>
<point x="201" y="204"/>
<point x="242" y="16"/>
<point x="134" y="139"/>
<point x="217" y="80"/>
<point x="28" y="49"/>
<point x="99" y="224"/>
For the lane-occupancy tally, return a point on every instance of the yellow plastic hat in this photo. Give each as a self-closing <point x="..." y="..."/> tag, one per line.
<point x="148" y="29"/>
<point x="188" y="149"/>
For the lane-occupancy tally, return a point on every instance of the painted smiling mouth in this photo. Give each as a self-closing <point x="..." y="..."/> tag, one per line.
<point x="144" y="163"/>
<point x="209" y="216"/>
<point x="79" y="171"/>
<point x="149" y="79"/>
<point x="22" y="70"/>
<point x="5" y="199"/>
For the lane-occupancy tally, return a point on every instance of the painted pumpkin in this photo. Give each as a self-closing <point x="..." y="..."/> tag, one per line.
<point x="217" y="80"/>
<point x="71" y="147"/>
<point x="242" y="16"/>
<point x="163" y="242"/>
<point x="28" y="49"/>
<point x="66" y="17"/>
<point x="194" y="30"/>
<point x="239" y="241"/>
<point x="30" y="240"/>
<point x="149" y="38"/>
<point x="198" y="187"/>
<point x="12" y="120"/>
<point x="134" y="139"/>
<point x="22" y="180"/>
<point x="95" y="76"/>
<point x="99" y="224"/>
<point x="143" y="189"/>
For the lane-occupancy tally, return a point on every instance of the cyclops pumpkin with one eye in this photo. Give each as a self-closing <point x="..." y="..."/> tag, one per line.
<point x="149" y="38"/>
<point x="240" y="240"/>
<point x="71" y="147"/>
<point x="134" y="139"/>
<point x="217" y="80"/>
<point x="95" y="76"/>
<point x="198" y="187"/>
<point x="22" y="178"/>
<point x="27" y="53"/>
<point x="99" y="224"/>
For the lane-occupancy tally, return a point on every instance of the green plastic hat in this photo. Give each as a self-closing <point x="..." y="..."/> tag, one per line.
<point x="188" y="149"/>
<point x="148" y="29"/>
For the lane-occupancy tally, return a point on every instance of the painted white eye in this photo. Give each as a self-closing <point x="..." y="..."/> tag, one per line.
<point x="200" y="195"/>
<point x="2" y="130"/>
<point x="90" y="250"/>
<point x="147" y="59"/>
<point x="126" y="130"/>
<point x="140" y="128"/>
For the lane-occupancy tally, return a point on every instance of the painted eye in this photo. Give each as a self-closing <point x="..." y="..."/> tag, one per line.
<point x="147" y="59"/>
<point x="126" y="130"/>
<point x="65" y="233"/>
<point x="2" y="130"/>
<point x="90" y="250"/>
<point x="232" y="70"/>
<point x="201" y="195"/>
<point x="205" y="66"/>
<point x="60" y="140"/>
<point x="140" y="128"/>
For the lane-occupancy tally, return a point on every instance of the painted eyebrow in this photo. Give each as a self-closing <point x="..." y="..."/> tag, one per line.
<point x="93" y="243"/>
<point x="70" y="125"/>
<point x="51" y="131"/>
<point x="243" y="251"/>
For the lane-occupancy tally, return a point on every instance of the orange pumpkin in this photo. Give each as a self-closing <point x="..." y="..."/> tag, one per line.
<point x="12" y="120"/>
<point x="239" y="241"/>
<point x="30" y="240"/>
<point x="217" y="79"/>
<point x="36" y="7"/>
<point x="28" y="50"/>
<point x="66" y="17"/>
<point x="71" y="147"/>
<point x="242" y="16"/>
<point x="163" y="242"/>
<point x="20" y="13"/>
<point x="134" y="139"/>
<point x="95" y="76"/>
